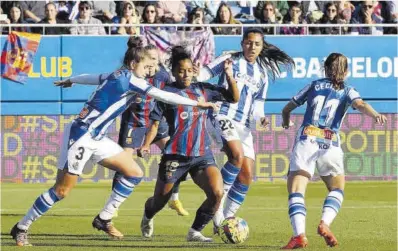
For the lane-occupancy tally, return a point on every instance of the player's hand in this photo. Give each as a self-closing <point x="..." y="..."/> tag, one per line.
<point x="143" y="152"/>
<point x="207" y="105"/>
<point x="228" y="68"/>
<point x="380" y="119"/>
<point x="66" y="83"/>
<point x="264" y="122"/>
<point x="196" y="68"/>
<point x="286" y="126"/>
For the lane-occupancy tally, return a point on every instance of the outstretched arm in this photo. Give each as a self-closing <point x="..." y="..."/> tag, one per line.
<point x="174" y="99"/>
<point x="367" y="109"/>
<point x="83" y="79"/>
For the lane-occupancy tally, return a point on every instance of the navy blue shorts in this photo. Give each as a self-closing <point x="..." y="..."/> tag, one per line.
<point x="176" y="167"/>
<point x="133" y="137"/>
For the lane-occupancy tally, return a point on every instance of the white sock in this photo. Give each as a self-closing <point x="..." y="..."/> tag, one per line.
<point x="332" y="205"/>
<point x="174" y="196"/>
<point x="235" y="198"/>
<point x="121" y="191"/>
<point x="297" y="213"/>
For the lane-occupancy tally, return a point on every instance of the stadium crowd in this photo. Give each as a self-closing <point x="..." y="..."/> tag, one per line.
<point x="199" y="12"/>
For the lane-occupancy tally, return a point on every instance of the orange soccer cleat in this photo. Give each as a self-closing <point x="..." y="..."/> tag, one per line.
<point x="299" y="241"/>
<point x="324" y="231"/>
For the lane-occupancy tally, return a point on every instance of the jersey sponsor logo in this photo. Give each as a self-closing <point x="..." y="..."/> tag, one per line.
<point x="184" y="115"/>
<point x="320" y="133"/>
<point x="83" y="113"/>
<point x="323" y="146"/>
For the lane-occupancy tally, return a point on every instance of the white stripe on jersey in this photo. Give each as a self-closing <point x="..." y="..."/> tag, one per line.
<point x="253" y="84"/>
<point x="108" y="113"/>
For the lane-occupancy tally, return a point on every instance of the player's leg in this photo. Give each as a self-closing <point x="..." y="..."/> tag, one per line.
<point x="171" y="168"/>
<point x="210" y="181"/>
<point x="301" y="169"/>
<point x="239" y="189"/>
<point x="65" y="182"/>
<point x="71" y="164"/>
<point x="130" y="139"/>
<point x="232" y="147"/>
<point x="331" y="169"/>
<point x="111" y="155"/>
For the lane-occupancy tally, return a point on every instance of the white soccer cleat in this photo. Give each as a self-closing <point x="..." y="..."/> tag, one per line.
<point x="196" y="236"/>
<point x="146" y="227"/>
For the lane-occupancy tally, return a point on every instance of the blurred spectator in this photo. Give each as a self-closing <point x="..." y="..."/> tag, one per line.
<point x="196" y="16"/>
<point x="313" y="10"/>
<point x="33" y="11"/>
<point x="172" y="11"/>
<point x="63" y="9"/>
<point x="294" y="17"/>
<point x="390" y="13"/>
<point x="345" y="9"/>
<point x="281" y="8"/>
<point x="51" y="18"/>
<point x="366" y="16"/>
<point x="224" y="16"/>
<point x="6" y="6"/>
<point x="103" y="10"/>
<point x="268" y="16"/>
<point x="330" y="16"/>
<point x="15" y="17"/>
<point x="85" y="17"/>
<point x="150" y="14"/>
<point x="130" y="16"/>
<point x="209" y="7"/>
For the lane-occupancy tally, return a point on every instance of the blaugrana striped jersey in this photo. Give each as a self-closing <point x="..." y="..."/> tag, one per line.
<point x="252" y="82"/>
<point x="137" y="115"/>
<point x="326" y="106"/>
<point x="187" y="125"/>
<point x="109" y="100"/>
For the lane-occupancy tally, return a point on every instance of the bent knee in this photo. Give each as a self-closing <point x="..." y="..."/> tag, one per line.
<point x="237" y="158"/>
<point x="62" y="191"/>
<point x="216" y="195"/>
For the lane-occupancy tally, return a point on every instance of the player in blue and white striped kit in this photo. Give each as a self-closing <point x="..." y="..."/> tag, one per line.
<point x="317" y="145"/>
<point x="85" y="139"/>
<point x="251" y="68"/>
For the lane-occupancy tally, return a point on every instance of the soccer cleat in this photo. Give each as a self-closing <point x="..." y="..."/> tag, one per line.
<point x="146" y="227"/>
<point x="196" y="236"/>
<point x="20" y="236"/>
<point x="107" y="227"/>
<point x="177" y="205"/>
<point x="299" y="241"/>
<point x="324" y="231"/>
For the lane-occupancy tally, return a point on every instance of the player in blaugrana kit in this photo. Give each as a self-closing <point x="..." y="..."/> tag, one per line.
<point x="188" y="150"/>
<point x="317" y="146"/>
<point x="135" y="123"/>
<point x="135" y="120"/>
<point x="85" y="139"/>
<point x="251" y="68"/>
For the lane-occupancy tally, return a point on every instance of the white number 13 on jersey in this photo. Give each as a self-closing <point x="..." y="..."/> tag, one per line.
<point x="329" y="108"/>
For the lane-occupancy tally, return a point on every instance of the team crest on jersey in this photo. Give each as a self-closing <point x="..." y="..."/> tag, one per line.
<point x="83" y="113"/>
<point x="184" y="115"/>
<point x="138" y="99"/>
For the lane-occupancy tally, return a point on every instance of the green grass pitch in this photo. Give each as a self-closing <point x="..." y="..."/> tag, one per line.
<point x="367" y="220"/>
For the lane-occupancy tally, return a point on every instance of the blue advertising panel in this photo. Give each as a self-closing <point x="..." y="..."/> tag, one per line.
<point x="373" y="69"/>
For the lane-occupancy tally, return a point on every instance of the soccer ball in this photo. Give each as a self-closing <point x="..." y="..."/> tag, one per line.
<point x="234" y="230"/>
